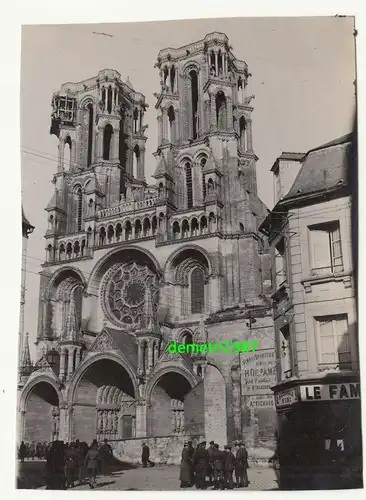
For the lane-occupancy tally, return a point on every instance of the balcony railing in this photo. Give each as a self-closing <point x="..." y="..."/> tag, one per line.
<point x="337" y="367"/>
<point x="126" y="207"/>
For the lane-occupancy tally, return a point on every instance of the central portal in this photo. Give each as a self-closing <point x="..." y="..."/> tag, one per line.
<point x="104" y="403"/>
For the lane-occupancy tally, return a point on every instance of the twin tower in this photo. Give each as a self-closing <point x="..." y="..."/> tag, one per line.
<point x="205" y="164"/>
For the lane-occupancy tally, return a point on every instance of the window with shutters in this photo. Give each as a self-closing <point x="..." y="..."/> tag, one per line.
<point x="79" y="213"/>
<point x="334" y="343"/>
<point x="326" y="248"/>
<point x="189" y="185"/>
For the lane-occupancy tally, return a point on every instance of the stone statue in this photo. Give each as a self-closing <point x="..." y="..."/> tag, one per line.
<point x="197" y="117"/>
<point x="129" y="194"/>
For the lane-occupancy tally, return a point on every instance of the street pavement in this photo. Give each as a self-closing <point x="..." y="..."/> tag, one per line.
<point x="166" y="478"/>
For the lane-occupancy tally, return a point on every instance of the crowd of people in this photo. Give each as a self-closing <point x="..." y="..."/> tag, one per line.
<point x="203" y="467"/>
<point x="67" y="464"/>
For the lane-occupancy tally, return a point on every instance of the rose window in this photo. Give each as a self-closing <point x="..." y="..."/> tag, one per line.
<point x="125" y="290"/>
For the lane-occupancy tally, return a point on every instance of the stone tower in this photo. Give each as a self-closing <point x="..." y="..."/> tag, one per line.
<point x="206" y="166"/>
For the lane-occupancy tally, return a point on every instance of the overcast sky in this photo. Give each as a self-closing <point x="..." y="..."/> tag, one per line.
<point x="303" y="71"/>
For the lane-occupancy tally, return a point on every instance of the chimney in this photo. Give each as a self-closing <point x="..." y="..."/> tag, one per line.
<point x="285" y="170"/>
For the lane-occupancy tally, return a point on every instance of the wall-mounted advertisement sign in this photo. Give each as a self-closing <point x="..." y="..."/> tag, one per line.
<point x="332" y="392"/>
<point x="286" y="398"/>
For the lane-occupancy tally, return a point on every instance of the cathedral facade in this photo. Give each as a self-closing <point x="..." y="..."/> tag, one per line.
<point x="132" y="267"/>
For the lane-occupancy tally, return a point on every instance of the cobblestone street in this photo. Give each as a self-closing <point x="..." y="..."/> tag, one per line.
<point x="167" y="478"/>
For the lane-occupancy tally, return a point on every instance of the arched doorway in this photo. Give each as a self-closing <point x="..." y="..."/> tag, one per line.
<point x="215" y="405"/>
<point x="166" y="416"/>
<point x="41" y="414"/>
<point x="104" y="403"/>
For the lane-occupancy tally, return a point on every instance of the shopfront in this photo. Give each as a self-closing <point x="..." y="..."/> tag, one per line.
<point x="319" y="435"/>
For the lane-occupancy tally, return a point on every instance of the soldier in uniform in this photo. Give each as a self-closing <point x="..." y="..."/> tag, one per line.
<point x="200" y="464"/>
<point x="210" y="450"/>
<point x="229" y="468"/>
<point x="191" y="451"/>
<point x="218" y="460"/>
<point x="91" y="463"/>
<point x="185" y="468"/>
<point x="241" y="466"/>
<point x="106" y="455"/>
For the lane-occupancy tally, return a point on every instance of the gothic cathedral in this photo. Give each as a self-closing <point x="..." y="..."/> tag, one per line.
<point x="132" y="267"/>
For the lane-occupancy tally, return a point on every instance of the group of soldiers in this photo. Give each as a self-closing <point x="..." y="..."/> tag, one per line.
<point x="68" y="463"/>
<point x="33" y="450"/>
<point x="211" y="466"/>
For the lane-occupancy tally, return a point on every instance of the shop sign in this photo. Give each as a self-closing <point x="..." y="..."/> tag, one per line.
<point x="286" y="398"/>
<point x="332" y="392"/>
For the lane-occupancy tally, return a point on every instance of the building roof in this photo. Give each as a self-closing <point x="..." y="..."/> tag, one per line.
<point x="288" y="156"/>
<point x="324" y="167"/>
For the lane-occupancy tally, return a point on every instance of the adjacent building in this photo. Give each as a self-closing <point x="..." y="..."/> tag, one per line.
<point x="314" y="298"/>
<point x="131" y="266"/>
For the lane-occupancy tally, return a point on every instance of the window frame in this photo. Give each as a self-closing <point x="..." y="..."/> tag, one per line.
<point x="331" y="228"/>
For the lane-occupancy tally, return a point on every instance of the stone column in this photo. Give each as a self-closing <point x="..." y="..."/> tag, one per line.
<point x="61" y="149"/>
<point x="150" y="356"/>
<point x="141" y="422"/>
<point x="165" y="126"/>
<point x="139" y="357"/>
<point x="213" y="124"/>
<point x="156" y="351"/>
<point x="230" y="124"/>
<point x="141" y="165"/>
<point x="71" y="362"/>
<point x="249" y="136"/>
<point x="106" y="99"/>
<point x="160" y="129"/>
<point x="62" y="363"/>
<point x="236" y="387"/>
<point x="216" y="63"/>
<point x="115" y="148"/>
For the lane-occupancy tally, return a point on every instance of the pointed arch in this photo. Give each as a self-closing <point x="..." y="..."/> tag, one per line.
<point x="221" y="111"/>
<point x="67" y="153"/>
<point x="243" y="133"/>
<point x="136" y="161"/>
<point x="107" y="141"/>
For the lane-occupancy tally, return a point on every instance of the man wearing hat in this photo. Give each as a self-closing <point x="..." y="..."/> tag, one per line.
<point x="229" y="467"/>
<point x="241" y="466"/>
<point x="200" y="463"/>
<point x="210" y="450"/>
<point x="218" y="461"/>
<point x="185" y="468"/>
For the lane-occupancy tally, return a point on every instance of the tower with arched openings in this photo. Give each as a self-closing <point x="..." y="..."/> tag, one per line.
<point x="132" y="267"/>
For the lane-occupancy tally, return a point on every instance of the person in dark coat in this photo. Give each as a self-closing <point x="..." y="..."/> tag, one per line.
<point x="210" y="474"/>
<point x="191" y="451"/>
<point x="71" y="465"/>
<point x="241" y="466"/>
<point x="106" y="455"/>
<point x="200" y="464"/>
<point x="55" y="467"/>
<point x="91" y="463"/>
<point x="185" y="468"/>
<point x="218" y="460"/>
<point x="145" y="456"/>
<point x="229" y="467"/>
<point x="22" y="451"/>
